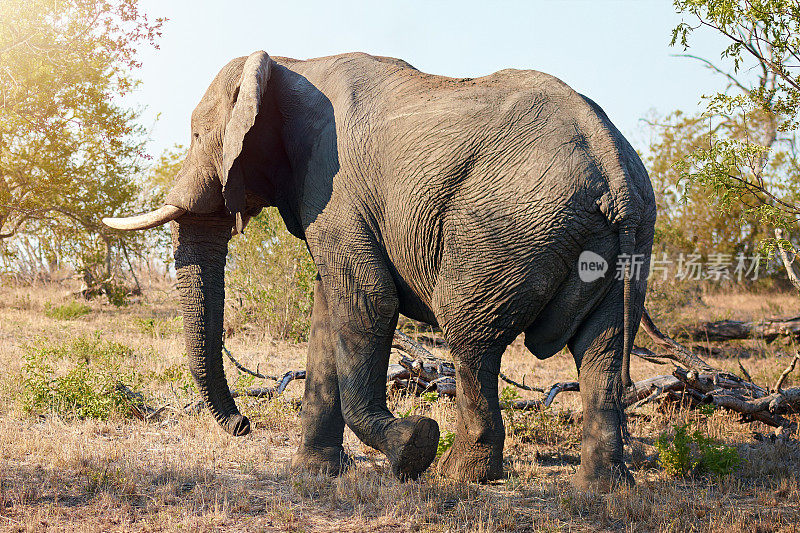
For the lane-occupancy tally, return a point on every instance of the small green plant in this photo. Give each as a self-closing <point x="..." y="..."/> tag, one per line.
<point x="244" y="381"/>
<point x="67" y="311"/>
<point x="706" y="409"/>
<point x="542" y="426"/>
<point x="690" y="452"/>
<point x="408" y="412"/>
<point x="508" y="396"/>
<point x="160" y="327"/>
<point x="277" y="414"/>
<point x="178" y="378"/>
<point x="430" y="397"/>
<point x="78" y="379"/>
<point x="445" y="442"/>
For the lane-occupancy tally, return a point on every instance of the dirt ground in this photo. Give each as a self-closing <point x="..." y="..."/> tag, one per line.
<point x="181" y="472"/>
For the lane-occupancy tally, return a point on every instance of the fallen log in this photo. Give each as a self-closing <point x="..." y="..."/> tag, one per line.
<point x="727" y="330"/>
<point x="722" y="394"/>
<point x="649" y="389"/>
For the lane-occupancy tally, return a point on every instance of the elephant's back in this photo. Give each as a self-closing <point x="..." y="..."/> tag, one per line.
<point x="521" y="137"/>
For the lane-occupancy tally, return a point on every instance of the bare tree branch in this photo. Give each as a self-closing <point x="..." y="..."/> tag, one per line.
<point x="789" y="370"/>
<point x="243" y="368"/>
<point x="716" y="69"/>
<point x="520" y="385"/>
<point x="674" y="352"/>
<point x="788" y="263"/>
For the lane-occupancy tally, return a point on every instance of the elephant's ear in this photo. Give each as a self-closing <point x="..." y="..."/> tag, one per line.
<point x="252" y="86"/>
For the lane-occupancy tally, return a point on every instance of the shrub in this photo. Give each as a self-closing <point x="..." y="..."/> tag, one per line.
<point x="68" y="311"/>
<point x="276" y="414"/>
<point x="178" y="378"/>
<point x="76" y="379"/>
<point x="117" y="293"/>
<point x="690" y="452"/>
<point x="270" y="279"/>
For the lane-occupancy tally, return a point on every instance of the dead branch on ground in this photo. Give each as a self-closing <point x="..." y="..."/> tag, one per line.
<point x="693" y="382"/>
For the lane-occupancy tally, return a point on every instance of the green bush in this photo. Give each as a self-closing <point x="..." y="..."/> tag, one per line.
<point x="508" y="396"/>
<point x="68" y="311"/>
<point x="117" y="293"/>
<point x="77" y="379"/>
<point x="690" y="452"/>
<point x="430" y="397"/>
<point x="270" y="279"/>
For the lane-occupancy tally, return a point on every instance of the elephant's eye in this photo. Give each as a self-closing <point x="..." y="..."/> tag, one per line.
<point x="196" y="136"/>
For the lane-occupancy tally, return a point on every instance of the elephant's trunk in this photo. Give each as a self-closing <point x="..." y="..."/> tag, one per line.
<point x="200" y="253"/>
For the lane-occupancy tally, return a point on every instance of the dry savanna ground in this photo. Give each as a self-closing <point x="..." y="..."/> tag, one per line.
<point x="181" y="472"/>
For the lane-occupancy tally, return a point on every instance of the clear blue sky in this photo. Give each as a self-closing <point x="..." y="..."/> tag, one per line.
<point x="616" y="52"/>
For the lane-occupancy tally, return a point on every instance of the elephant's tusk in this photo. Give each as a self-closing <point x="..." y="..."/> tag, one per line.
<point x="152" y="219"/>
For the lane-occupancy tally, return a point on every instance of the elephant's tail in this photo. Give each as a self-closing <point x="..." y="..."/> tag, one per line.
<point x="623" y="206"/>
<point x="627" y="245"/>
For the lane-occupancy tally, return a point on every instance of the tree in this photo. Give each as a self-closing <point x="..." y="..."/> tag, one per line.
<point x="690" y="220"/>
<point x="70" y="151"/>
<point x="750" y="160"/>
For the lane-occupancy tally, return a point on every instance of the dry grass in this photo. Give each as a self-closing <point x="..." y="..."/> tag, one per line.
<point x="186" y="474"/>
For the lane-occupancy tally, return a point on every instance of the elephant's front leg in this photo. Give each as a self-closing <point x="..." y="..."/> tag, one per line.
<point x="477" y="451"/>
<point x="364" y="309"/>
<point x="363" y="343"/>
<point x="597" y="348"/>
<point x="322" y="421"/>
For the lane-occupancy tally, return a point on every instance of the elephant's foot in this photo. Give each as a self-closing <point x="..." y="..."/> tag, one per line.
<point x="602" y="479"/>
<point x="475" y="462"/>
<point x="602" y="467"/>
<point x="329" y="460"/>
<point x="411" y="445"/>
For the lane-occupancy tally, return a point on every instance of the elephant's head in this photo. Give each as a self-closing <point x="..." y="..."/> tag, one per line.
<point x="235" y="159"/>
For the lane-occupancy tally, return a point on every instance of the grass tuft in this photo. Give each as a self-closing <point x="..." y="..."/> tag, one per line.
<point x="67" y="311"/>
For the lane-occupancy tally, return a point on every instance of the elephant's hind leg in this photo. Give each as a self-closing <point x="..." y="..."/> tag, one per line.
<point x="597" y="349"/>
<point x="477" y="451"/>
<point x="321" y="447"/>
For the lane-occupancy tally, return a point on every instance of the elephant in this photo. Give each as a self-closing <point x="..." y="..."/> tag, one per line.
<point x="462" y="203"/>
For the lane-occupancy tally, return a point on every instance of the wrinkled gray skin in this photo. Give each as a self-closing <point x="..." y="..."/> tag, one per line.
<point x="463" y="203"/>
